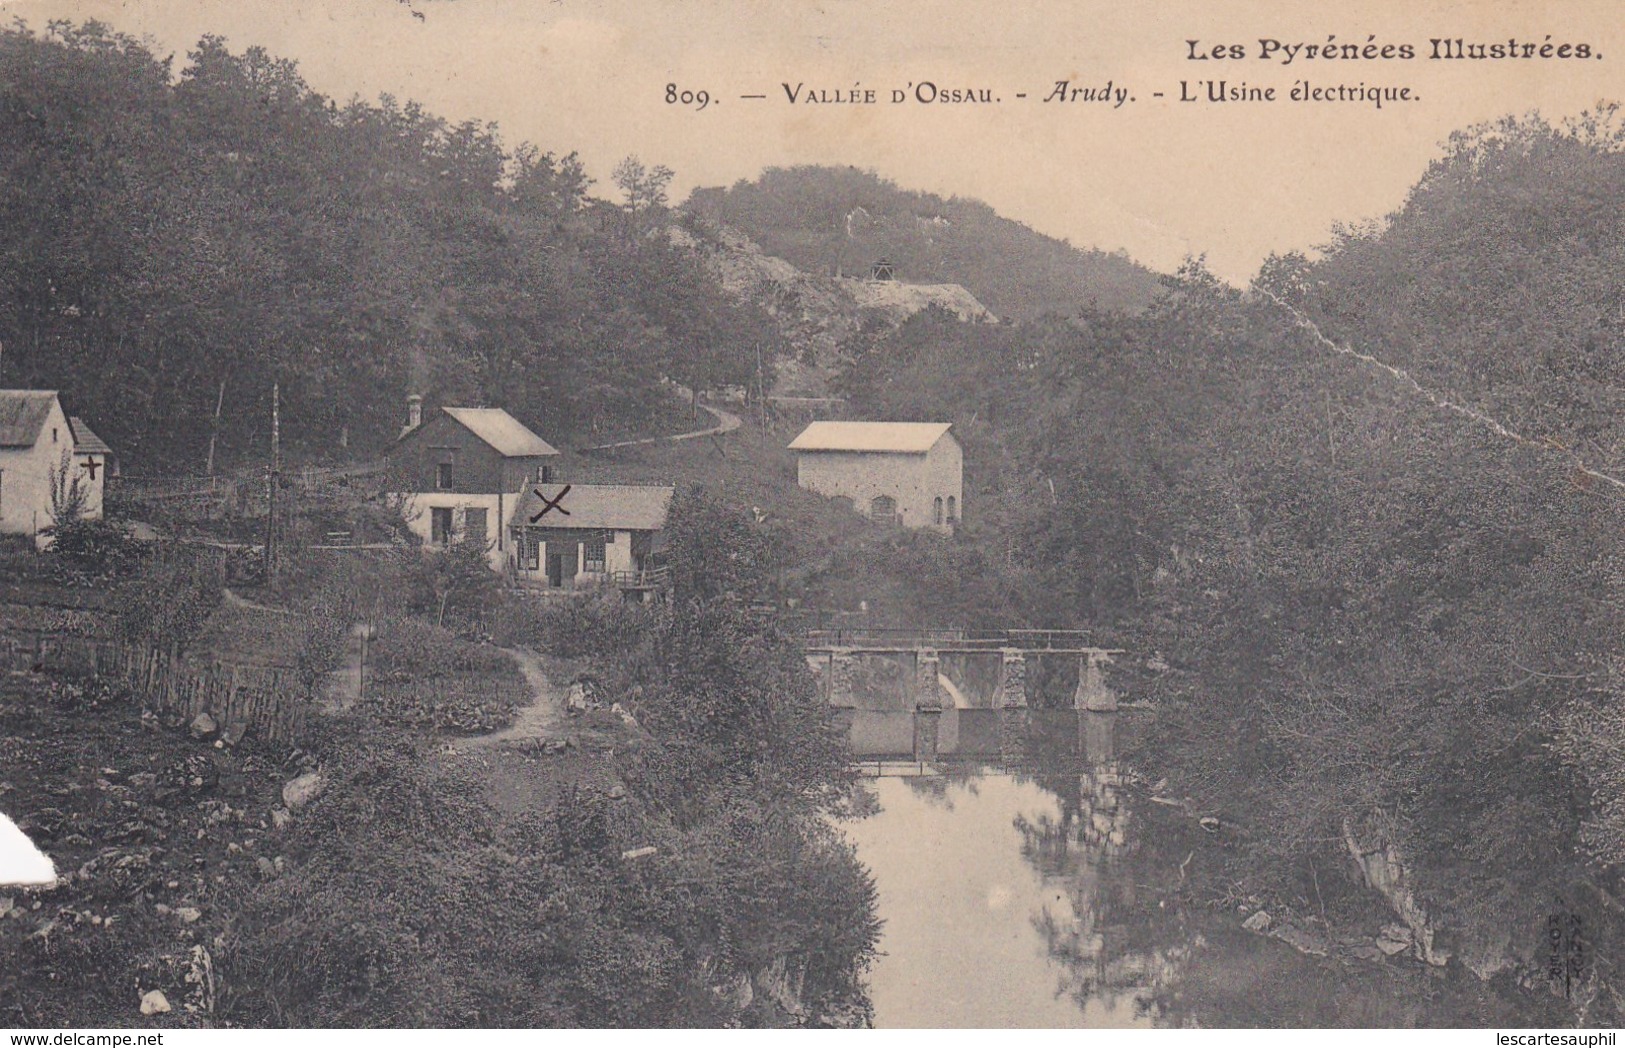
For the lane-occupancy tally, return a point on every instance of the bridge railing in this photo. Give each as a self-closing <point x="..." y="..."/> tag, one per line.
<point x="946" y="637"/>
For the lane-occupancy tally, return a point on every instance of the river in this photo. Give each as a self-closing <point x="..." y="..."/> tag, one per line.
<point x="1039" y="888"/>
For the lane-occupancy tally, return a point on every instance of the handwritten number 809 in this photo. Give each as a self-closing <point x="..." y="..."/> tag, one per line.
<point x="698" y="99"/>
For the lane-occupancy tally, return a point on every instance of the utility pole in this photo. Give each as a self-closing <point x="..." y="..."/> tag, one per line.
<point x="214" y="429"/>
<point x="272" y="475"/>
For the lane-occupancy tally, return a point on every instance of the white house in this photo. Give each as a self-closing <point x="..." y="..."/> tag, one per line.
<point x="44" y="456"/>
<point x="460" y="475"/>
<point x="569" y="536"/>
<point x="907" y="473"/>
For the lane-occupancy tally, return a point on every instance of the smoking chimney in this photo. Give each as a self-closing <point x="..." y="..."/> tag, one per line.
<point x="414" y="411"/>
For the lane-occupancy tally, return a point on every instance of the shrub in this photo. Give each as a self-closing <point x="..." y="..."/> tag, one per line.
<point x="601" y="625"/>
<point x="96" y="548"/>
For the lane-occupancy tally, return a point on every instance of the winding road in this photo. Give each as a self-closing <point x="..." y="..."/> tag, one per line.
<point x="727" y="422"/>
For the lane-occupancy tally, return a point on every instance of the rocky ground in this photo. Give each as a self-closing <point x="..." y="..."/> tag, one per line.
<point x="150" y="825"/>
<point x="159" y="828"/>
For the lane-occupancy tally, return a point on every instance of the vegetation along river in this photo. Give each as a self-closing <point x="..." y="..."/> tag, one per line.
<point x="1046" y="889"/>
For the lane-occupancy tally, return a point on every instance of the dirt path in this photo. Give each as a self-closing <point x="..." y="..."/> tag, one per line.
<point x="233" y="600"/>
<point x="341" y="688"/>
<point x="727" y="422"/>
<point x="542" y="719"/>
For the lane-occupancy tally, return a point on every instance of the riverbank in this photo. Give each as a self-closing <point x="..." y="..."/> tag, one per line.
<point x="998" y="887"/>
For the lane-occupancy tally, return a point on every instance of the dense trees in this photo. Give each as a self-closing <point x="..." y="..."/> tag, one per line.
<point x="1374" y="598"/>
<point x="174" y="240"/>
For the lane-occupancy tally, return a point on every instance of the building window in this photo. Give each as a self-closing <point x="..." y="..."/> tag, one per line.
<point x="442" y="476"/>
<point x="2" y="492"/>
<point x="475" y="526"/>
<point x="883" y="508"/>
<point x="544" y="474"/>
<point x="440" y="525"/>
<point x="936" y="510"/>
<point x="592" y="556"/>
<point x="530" y="551"/>
<point x="953" y="513"/>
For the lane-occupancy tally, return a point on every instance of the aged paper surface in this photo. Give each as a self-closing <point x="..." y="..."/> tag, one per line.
<point x="1101" y="870"/>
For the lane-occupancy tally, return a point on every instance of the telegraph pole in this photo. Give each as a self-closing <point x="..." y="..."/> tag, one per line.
<point x="761" y="390"/>
<point x="271" y="477"/>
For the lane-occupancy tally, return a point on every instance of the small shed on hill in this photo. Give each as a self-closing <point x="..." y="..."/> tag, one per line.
<point x="905" y="473"/>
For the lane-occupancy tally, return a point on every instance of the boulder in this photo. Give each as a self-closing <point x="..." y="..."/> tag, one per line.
<point x="188" y="914"/>
<point x="1394" y="938"/>
<point x="297" y="793"/>
<point x="153" y="1002"/>
<point x="617" y="792"/>
<point x="234" y="732"/>
<point x="203" y="724"/>
<point x="1258" y="922"/>
<point x="266" y="867"/>
<point x="280" y="817"/>
<point x="1302" y="940"/>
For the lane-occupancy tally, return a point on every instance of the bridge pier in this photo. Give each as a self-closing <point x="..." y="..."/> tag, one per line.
<point x="927" y="729"/>
<point x="927" y="679"/>
<point x="1092" y="693"/>
<point x="927" y="689"/>
<point x="1012" y="690"/>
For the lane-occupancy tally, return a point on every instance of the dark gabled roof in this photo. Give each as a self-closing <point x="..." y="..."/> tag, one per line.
<point x="22" y="415"/>
<point x="85" y="440"/>
<point x="612" y="507"/>
<point x="902" y="438"/>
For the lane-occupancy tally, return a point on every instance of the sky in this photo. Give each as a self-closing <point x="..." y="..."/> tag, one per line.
<point x="1159" y="178"/>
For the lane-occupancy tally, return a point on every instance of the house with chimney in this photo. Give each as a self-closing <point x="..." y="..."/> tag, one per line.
<point x="480" y="475"/>
<point x="459" y="475"/>
<point x="909" y="474"/>
<point x="47" y="459"/>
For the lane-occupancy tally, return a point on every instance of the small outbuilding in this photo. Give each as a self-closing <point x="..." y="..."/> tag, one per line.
<point x="906" y="473"/>
<point x="572" y="536"/>
<point x="47" y="460"/>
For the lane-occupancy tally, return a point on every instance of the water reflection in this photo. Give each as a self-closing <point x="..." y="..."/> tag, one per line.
<point x="999" y="886"/>
<point x="961" y="904"/>
<point x="1025" y="889"/>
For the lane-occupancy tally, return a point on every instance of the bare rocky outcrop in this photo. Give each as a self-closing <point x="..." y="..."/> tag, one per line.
<point x="1384" y="868"/>
<point x="818" y="314"/>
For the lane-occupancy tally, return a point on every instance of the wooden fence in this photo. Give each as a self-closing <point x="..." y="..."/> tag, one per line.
<point x="270" y="703"/>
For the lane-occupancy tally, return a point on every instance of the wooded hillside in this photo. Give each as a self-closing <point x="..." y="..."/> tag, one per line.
<point x="172" y="236"/>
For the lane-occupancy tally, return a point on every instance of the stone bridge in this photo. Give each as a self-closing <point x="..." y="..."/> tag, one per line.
<point x="925" y="693"/>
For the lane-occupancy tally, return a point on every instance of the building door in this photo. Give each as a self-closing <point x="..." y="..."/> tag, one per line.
<point x="561" y="563"/>
<point x="440" y="525"/>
